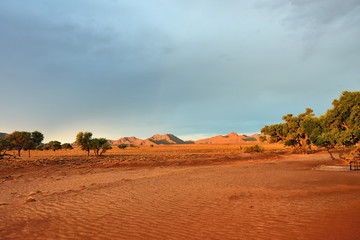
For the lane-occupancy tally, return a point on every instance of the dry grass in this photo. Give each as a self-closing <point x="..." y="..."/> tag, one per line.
<point x="139" y="156"/>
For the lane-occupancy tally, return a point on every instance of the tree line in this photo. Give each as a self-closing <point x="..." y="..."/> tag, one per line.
<point x="338" y="128"/>
<point x="27" y="141"/>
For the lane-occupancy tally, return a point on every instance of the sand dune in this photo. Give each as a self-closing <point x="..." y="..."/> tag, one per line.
<point x="238" y="197"/>
<point x="264" y="198"/>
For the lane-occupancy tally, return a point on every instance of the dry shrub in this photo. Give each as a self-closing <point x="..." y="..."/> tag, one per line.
<point x="254" y="148"/>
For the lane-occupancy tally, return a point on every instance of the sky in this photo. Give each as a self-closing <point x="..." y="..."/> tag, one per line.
<point x="191" y="68"/>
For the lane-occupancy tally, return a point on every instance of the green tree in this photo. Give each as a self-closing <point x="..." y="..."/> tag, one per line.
<point x="83" y="139"/>
<point x="35" y="141"/>
<point x="29" y="145"/>
<point x="100" y="146"/>
<point x="293" y="133"/>
<point x="66" y="146"/>
<point x="4" y="147"/>
<point x="37" y="137"/>
<point x="54" y="145"/>
<point x="18" y="140"/>
<point x="340" y="126"/>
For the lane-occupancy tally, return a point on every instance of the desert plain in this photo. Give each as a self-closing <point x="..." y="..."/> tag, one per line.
<point x="178" y="192"/>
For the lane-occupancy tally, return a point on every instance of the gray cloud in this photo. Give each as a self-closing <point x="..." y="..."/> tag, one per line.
<point x="136" y="67"/>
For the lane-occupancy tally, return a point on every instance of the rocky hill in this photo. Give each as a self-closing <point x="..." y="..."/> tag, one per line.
<point x="157" y="139"/>
<point x="170" y="139"/>
<point x="229" y="138"/>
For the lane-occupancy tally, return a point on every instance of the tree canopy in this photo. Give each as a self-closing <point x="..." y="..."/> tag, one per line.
<point x="87" y="143"/>
<point x="54" y="145"/>
<point x="338" y="127"/>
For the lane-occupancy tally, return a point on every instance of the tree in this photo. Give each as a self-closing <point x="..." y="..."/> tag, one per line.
<point x="293" y="133"/>
<point x="66" y="146"/>
<point x="83" y="139"/>
<point x="35" y="141"/>
<point x="4" y="147"/>
<point x="100" y="146"/>
<point x="37" y="137"/>
<point x="54" y="145"/>
<point x="338" y="127"/>
<point x="29" y="145"/>
<point x="18" y="140"/>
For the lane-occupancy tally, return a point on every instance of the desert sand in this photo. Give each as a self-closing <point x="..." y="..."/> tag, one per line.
<point x="177" y="192"/>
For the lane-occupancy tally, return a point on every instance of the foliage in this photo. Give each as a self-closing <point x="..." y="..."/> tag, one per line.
<point x="54" y="145"/>
<point x="122" y="146"/>
<point x="251" y="149"/>
<point x="100" y="146"/>
<point x="87" y="143"/>
<point x="338" y="127"/>
<point x="66" y="146"/>
<point x="40" y="148"/>
<point x="294" y="132"/>
<point x="37" y="137"/>
<point x="4" y="146"/>
<point x="18" y="140"/>
<point x="83" y="139"/>
<point x="21" y="140"/>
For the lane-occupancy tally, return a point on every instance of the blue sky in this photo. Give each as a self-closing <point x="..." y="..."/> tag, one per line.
<point x="191" y="68"/>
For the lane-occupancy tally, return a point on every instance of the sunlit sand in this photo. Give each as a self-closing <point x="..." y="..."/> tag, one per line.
<point x="177" y="192"/>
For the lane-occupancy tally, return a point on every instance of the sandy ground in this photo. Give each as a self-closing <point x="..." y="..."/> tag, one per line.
<point x="195" y="194"/>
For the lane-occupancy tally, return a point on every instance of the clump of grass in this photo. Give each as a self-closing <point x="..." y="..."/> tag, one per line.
<point x="251" y="149"/>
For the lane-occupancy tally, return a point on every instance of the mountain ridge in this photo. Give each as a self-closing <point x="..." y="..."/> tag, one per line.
<point x="171" y="139"/>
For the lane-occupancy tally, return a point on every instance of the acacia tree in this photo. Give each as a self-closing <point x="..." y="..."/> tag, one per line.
<point x="83" y="139"/>
<point x="18" y="140"/>
<point x="4" y="146"/>
<point x="54" y="145"/>
<point x="293" y="132"/>
<point x="36" y="138"/>
<point x="341" y="125"/>
<point x="338" y="127"/>
<point x="100" y="146"/>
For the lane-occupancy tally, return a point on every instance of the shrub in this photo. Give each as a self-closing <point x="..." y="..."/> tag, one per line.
<point x="122" y="146"/>
<point x="66" y="146"/>
<point x="254" y="148"/>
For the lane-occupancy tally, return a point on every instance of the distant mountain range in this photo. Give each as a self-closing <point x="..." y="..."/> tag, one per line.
<point x="169" y="139"/>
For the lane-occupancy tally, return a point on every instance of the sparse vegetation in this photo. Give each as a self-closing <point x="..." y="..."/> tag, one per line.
<point x="66" y="146"/>
<point x="122" y="146"/>
<point x="87" y="143"/>
<point x="21" y="140"/>
<point x="54" y="145"/>
<point x="100" y="146"/>
<point x="251" y="149"/>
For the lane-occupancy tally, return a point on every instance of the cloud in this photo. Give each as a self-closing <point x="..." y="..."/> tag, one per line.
<point x="138" y="67"/>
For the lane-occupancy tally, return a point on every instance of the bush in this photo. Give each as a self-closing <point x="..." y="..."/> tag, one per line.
<point x="122" y="146"/>
<point x="251" y="149"/>
<point x="66" y="146"/>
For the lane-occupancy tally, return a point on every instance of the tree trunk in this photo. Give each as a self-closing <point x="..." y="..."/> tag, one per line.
<point x="19" y="152"/>
<point x="29" y="153"/>
<point x="328" y="150"/>
<point x="88" y="152"/>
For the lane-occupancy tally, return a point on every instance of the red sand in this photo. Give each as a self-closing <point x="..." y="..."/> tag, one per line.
<point x="257" y="198"/>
